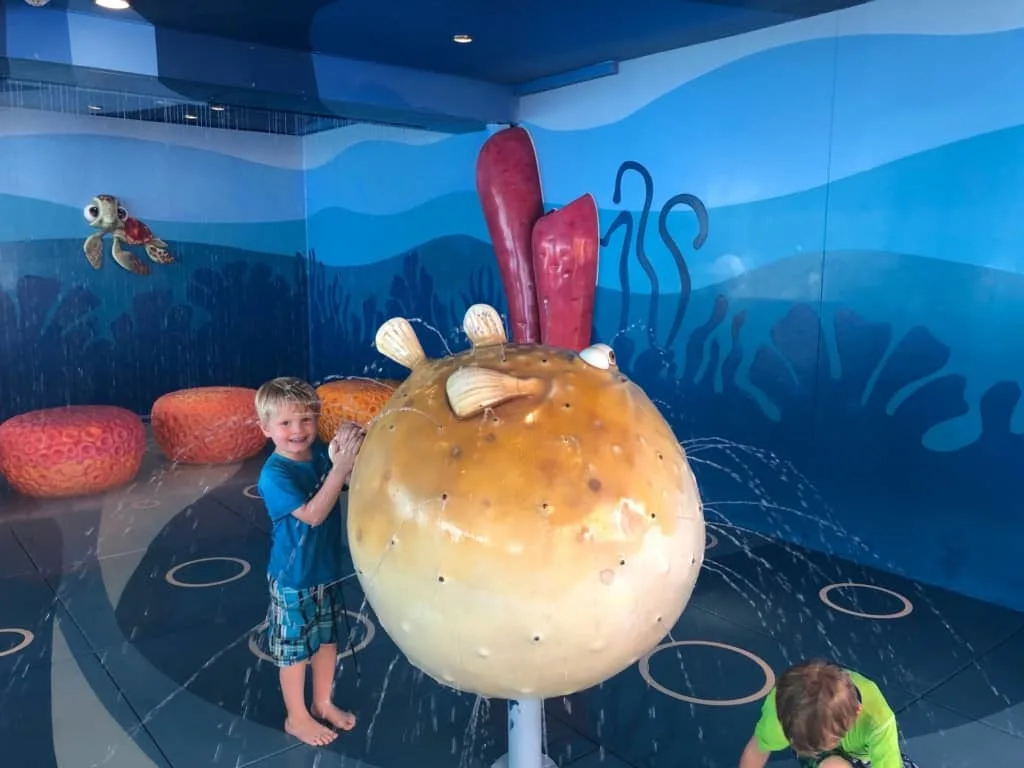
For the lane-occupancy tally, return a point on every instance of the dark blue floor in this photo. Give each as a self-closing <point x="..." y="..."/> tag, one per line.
<point x="125" y="668"/>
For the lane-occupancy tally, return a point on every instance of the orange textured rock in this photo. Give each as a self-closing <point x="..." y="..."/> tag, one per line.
<point x="207" y="425"/>
<point x="357" y="400"/>
<point x="71" y="451"/>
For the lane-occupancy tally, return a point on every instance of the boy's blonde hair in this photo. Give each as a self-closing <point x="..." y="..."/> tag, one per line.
<point x="817" y="704"/>
<point x="285" y="390"/>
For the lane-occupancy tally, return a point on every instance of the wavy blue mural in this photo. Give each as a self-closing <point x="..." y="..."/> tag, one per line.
<point x="845" y="329"/>
<point x="850" y="304"/>
<point x="231" y="310"/>
<point x="847" y="324"/>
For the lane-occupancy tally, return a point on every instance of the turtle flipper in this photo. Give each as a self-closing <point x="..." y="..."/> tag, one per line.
<point x="128" y="260"/>
<point x="93" y="248"/>
<point x="157" y="251"/>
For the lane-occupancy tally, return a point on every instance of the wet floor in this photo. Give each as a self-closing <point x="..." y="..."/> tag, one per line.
<point x="126" y="620"/>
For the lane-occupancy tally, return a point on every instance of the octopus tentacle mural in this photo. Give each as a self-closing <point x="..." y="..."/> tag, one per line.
<point x="701" y="212"/>
<point x="624" y="220"/>
<point x="641" y="233"/>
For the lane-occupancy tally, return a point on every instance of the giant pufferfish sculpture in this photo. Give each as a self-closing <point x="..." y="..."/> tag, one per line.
<point x="522" y="519"/>
<point x="105" y="213"/>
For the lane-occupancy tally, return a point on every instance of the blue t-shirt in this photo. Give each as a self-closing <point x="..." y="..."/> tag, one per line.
<point x="301" y="555"/>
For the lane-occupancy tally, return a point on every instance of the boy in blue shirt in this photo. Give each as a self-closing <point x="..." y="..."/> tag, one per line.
<point x="300" y="484"/>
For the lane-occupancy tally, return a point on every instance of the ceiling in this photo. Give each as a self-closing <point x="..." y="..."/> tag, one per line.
<point x="514" y="41"/>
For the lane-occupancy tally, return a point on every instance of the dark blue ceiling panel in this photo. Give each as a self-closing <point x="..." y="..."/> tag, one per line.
<point x="51" y="45"/>
<point x="393" y="62"/>
<point x="513" y="42"/>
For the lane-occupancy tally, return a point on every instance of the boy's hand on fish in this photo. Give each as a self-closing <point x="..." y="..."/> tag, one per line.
<point x="346" y="443"/>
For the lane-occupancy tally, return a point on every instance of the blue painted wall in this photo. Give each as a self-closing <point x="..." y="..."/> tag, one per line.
<point x="848" y="334"/>
<point x="853" y="310"/>
<point x="233" y="310"/>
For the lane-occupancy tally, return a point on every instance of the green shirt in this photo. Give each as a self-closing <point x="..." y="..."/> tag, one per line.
<point x="872" y="739"/>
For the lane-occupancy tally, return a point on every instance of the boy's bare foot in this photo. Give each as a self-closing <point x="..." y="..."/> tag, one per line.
<point x="339" y="718"/>
<point x="309" y="731"/>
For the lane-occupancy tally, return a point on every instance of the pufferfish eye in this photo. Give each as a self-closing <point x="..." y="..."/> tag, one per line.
<point x="599" y="356"/>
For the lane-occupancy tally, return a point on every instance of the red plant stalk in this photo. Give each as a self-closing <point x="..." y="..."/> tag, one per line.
<point x="565" y="254"/>
<point x="508" y="185"/>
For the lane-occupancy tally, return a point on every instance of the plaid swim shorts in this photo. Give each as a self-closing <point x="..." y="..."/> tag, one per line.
<point x="299" y="621"/>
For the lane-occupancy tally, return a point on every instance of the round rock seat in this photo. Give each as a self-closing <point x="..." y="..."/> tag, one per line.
<point x="357" y="400"/>
<point x="207" y="425"/>
<point x="71" y="451"/>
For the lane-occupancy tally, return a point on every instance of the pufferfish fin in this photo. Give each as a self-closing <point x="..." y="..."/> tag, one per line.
<point x="483" y="326"/>
<point x="397" y="341"/>
<point x="472" y="390"/>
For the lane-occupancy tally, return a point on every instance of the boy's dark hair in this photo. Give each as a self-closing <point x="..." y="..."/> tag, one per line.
<point x="817" y="704"/>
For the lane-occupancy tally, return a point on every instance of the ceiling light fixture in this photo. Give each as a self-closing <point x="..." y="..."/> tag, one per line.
<point x="190" y="116"/>
<point x="95" y="108"/>
<point x="462" y="39"/>
<point x="113" y="5"/>
<point x="217" y="108"/>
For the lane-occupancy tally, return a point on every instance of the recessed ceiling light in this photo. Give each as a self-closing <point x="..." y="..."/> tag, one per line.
<point x="190" y="116"/>
<point x="113" y="5"/>
<point x="462" y="39"/>
<point x="95" y="108"/>
<point x="217" y="108"/>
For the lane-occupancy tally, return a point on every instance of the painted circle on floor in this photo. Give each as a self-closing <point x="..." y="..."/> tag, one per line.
<point x="252" y="491"/>
<point x="26" y="639"/>
<point x="905" y="610"/>
<point x="769" y="675"/>
<point x="172" y="578"/>
<point x="369" y="631"/>
<point x="145" y="504"/>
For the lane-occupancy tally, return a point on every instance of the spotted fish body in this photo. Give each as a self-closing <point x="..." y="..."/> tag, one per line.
<point x="106" y="214"/>
<point x="522" y="519"/>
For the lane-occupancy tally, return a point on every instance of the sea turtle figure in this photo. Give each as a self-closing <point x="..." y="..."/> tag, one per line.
<point x="522" y="519"/>
<point x="106" y="214"/>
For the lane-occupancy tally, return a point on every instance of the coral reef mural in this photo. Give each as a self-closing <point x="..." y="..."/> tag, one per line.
<point x="810" y="258"/>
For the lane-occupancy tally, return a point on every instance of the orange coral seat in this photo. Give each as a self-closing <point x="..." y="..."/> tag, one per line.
<point x="207" y="425"/>
<point x="357" y="400"/>
<point x="71" y="451"/>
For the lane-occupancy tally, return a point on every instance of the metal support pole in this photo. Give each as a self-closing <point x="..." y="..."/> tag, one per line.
<point x="525" y="736"/>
